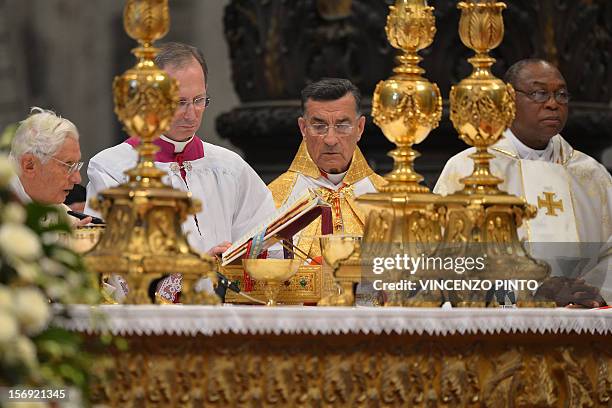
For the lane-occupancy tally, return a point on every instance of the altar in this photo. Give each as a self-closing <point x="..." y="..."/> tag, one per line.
<point x="200" y="356"/>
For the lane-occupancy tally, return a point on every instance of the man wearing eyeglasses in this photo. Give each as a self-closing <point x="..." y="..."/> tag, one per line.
<point x="328" y="159"/>
<point x="234" y="198"/>
<point x="573" y="192"/>
<point x="46" y="153"/>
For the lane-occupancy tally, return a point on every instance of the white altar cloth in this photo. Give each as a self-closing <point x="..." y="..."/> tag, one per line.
<point x="211" y="320"/>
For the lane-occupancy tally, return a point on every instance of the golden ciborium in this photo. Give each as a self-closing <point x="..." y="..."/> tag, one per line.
<point x="403" y="218"/>
<point x="482" y="220"/>
<point x="143" y="238"/>
<point x="341" y="254"/>
<point x="274" y="272"/>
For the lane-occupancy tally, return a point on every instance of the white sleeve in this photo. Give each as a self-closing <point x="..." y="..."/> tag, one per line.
<point x="601" y="275"/>
<point x="448" y="182"/>
<point x="99" y="179"/>
<point x="254" y="204"/>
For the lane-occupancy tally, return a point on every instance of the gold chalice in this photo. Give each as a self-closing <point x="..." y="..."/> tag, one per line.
<point x="337" y="248"/>
<point x="341" y="253"/>
<point x="85" y="238"/>
<point x="273" y="272"/>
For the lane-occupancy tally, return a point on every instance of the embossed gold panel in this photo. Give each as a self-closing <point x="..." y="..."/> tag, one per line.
<point x="495" y="371"/>
<point x="304" y="287"/>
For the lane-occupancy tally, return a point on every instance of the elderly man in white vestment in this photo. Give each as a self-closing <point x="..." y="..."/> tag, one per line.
<point x="234" y="198"/>
<point x="573" y="191"/>
<point x="46" y="154"/>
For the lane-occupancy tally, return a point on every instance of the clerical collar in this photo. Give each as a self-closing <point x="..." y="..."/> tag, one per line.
<point x="178" y="146"/>
<point x="193" y="149"/>
<point x="527" y="153"/>
<point x="334" y="178"/>
<point x="17" y="188"/>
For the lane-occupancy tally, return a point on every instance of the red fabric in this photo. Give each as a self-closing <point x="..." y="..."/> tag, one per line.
<point x="193" y="150"/>
<point x="317" y="260"/>
<point x="326" y="221"/>
<point x="248" y="281"/>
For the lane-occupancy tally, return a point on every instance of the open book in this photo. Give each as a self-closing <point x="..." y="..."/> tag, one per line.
<point x="287" y="221"/>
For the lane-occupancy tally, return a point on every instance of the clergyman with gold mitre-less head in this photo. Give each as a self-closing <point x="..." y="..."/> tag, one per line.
<point x="328" y="159"/>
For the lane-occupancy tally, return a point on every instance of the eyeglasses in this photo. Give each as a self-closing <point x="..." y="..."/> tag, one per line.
<point x="321" y="129"/>
<point x="540" y="96"/>
<point x="199" y="102"/>
<point x="72" y="167"/>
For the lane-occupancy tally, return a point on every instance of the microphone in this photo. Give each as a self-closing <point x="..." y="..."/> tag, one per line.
<point x="81" y="216"/>
<point x="223" y="284"/>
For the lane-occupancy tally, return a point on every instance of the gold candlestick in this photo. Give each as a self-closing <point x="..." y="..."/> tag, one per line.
<point x="406" y="106"/>
<point x="404" y="217"/>
<point x="482" y="220"/>
<point x="143" y="237"/>
<point x="482" y="106"/>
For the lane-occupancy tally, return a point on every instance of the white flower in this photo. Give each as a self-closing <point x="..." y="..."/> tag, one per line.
<point x="27" y="404"/>
<point x="57" y="290"/>
<point x="26" y="351"/>
<point x="6" y="298"/>
<point x="52" y="267"/>
<point x="19" y="241"/>
<point x="15" y="213"/>
<point x="64" y="255"/>
<point x="74" y="280"/>
<point x="32" y="309"/>
<point x="7" y="171"/>
<point x="9" y="326"/>
<point x="21" y="350"/>
<point x="27" y="271"/>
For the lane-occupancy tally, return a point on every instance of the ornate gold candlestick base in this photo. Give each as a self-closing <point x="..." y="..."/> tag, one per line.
<point x="484" y="226"/>
<point x="404" y="224"/>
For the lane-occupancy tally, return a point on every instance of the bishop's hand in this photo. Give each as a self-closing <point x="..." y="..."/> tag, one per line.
<point x="570" y="292"/>
<point x="219" y="248"/>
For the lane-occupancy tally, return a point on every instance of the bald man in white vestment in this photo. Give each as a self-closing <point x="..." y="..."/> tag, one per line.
<point x="573" y="191"/>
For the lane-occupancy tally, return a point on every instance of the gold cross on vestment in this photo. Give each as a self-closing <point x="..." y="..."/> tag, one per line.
<point x="550" y="204"/>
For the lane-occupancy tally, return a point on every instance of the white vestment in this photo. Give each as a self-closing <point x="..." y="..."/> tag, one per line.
<point x="588" y="185"/>
<point x="303" y="182"/>
<point x="234" y="198"/>
<point x="340" y="191"/>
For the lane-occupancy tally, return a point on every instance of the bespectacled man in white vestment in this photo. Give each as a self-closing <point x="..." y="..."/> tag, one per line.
<point x="573" y="192"/>
<point x="234" y="198"/>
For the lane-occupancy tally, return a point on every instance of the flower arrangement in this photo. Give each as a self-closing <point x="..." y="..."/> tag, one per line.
<point x="38" y="274"/>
